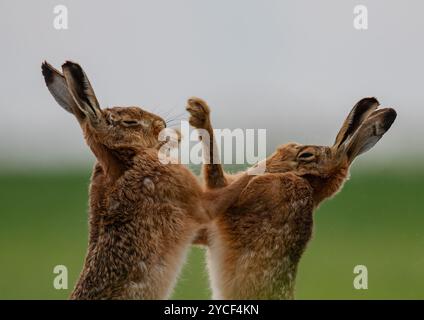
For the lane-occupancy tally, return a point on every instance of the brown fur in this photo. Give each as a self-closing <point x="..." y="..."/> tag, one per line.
<point x="143" y="214"/>
<point x="255" y="247"/>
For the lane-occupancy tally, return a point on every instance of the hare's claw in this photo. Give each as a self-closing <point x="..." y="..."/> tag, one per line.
<point x="199" y="113"/>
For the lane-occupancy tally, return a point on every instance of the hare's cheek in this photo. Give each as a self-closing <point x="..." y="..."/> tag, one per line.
<point x="145" y="124"/>
<point x="118" y="137"/>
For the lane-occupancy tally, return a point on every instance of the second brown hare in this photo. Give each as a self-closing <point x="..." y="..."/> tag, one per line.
<point x="255" y="247"/>
<point x="143" y="214"/>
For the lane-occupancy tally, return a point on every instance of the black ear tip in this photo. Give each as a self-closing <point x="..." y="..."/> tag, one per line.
<point x="71" y="65"/>
<point x="391" y="115"/>
<point x="387" y="117"/>
<point x="75" y="70"/>
<point x="47" y="72"/>
<point x="369" y="101"/>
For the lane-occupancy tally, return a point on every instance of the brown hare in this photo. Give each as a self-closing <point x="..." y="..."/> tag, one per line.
<point x="255" y="247"/>
<point x="143" y="214"/>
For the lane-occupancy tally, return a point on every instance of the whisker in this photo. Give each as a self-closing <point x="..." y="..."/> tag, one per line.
<point x="171" y="124"/>
<point x="171" y="115"/>
<point x="180" y="115"/>
<point x="169" y="112"/>
<point x="176" y="120"/>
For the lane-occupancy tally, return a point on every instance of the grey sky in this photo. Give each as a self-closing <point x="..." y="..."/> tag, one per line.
<point x="293" y="67"/>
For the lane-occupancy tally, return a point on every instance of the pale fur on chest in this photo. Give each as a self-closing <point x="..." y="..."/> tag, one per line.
<point x="250" y="275"/>
<point x="263" y="268"/>
<point x="159" y="278"/>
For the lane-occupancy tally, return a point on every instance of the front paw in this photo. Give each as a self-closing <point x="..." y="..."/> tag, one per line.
<point x="199" y="113"/>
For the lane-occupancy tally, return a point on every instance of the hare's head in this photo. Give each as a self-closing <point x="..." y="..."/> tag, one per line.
<point x="114" y="128"/>
<point x="326" y="167"/>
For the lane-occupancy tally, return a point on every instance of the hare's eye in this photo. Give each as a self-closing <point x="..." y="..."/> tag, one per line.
<point x="130" y="122"/>
<point x="306" y="156"/>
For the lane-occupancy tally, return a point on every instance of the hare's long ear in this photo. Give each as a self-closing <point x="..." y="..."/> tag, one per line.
<point x="57" y="86"/>
<point x="359" y="113"/>
<point x="369" y="132"/>
<point x="80" y="88"/>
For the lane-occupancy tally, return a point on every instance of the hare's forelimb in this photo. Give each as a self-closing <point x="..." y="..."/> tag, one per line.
<point x="213" y="172"/>
<point x="217" y="201"/>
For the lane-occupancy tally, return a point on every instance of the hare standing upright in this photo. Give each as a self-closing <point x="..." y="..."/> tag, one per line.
<point x="143" y="214"/>
<point x="255" y="247"/>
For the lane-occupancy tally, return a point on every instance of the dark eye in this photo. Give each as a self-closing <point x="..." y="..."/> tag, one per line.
<point x="306" y="155"/>
<point x="130" y="122"/>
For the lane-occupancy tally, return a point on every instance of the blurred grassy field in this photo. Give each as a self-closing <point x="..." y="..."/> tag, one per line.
<point x="377" y="221"/>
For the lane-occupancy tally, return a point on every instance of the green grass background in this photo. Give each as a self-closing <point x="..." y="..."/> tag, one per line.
<point x="377" y="220"/>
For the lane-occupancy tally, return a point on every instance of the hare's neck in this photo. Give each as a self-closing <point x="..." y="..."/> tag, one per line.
<point x="326" y="187"/>
<point x="125" y="156"/>
<point x="113" y="161"/>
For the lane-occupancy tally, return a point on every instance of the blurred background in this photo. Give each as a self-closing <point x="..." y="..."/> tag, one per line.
<point x="293" y="67"/>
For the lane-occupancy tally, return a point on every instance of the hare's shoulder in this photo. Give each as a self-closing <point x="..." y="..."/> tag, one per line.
<point x="148" y="177"/>
<point x="272" y="190"/>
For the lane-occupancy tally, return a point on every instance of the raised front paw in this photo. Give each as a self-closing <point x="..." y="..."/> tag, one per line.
<point x="199" y="113"/>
